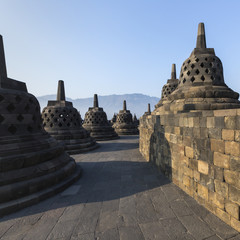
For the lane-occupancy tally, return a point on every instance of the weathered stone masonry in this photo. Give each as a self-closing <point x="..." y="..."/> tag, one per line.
<point x="193" y="135"/>
<point x="200" y="152"/>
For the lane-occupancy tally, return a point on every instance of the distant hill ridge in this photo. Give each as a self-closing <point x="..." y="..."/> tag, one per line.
<point x="136" y="103"/>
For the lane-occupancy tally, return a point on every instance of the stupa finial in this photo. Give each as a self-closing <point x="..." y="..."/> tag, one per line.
<point x="3" y="69"/>
<point x="95" y="101"/>
<point x="201" y="38"/>
<point x="61" y="91"/>
<point x="173" y="73"/>
<point x="124" y="105"/>
<point x="149" y="108"/>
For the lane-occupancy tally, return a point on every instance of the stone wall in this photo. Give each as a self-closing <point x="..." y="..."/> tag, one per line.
<point x="199" y="152"/>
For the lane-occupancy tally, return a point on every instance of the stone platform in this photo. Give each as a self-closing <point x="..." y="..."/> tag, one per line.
<point x="120" y="196"/>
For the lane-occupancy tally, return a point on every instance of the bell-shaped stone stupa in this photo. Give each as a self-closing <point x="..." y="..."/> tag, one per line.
<point x="148" y="111"/>
<point x="113" y="120"/>
<point x="124" y="123"/>
<point x="33" y="165"/>
<point x="169" y="87"/>
<point x="201" y="84"/>
<point x="97" y="124"/>
<point x="135" y="120"/>
<point x="63" y="122"/>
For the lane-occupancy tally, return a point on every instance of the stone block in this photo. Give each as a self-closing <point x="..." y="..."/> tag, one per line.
<point x="196" y="122"/>
<point x="196" y="133"/>
<point x="177" y="130"/>
<point x="196" y="175"/>
<point x="187" y="181"/>
<point x="179" y="139"/>
<point x="234" y="194"/>
<point x="225" y="112"/>
<point x="203" y="122"/>
<point x="230" y="122"/>
<point x="218" y="173"/>
<point x="235" y="224"/>
<point x="210" y="207"/>
<point x="232" y="148"/>
<point x="188" y="171"/>
<point x="237" y="136"/>
<point x="207" y="113"/>
<point x="193" y="164"/>
<point x="221" y="188"/>
<point x="203" y="191"/>
<point x="216" y="199"/>
<point x="232" y="209"/>
<point x="215" y="133"/>
<point x="195" y="186"/>
<point x="221" y="160"/>
<point x="235" y="163"/>
<point x="175" y="164"/>
<point x="210" y="122"/>
<point x="206" y="181"/>
<point x="203" y="167"/>
<point x="167" y="136"/>
<point x="211" y="172"/>
<point x="173" y="138"/>
<point x="232" y="177"/>
<point x="178" y="149"/>
<point x="228" y="134"/>
<point x="217" y="145"/>
<point x="188" y="131"/>
<point x="184" y="159"/>
<point x="204" y="132"/>
<point x="190" y="122"/>
<point x="238" y="122"/>
<point x="181" y="122"/>
<point x="223" y="215"/>
<point x="189" y="152"/>
<point x="219" y="122"/>
<point x="187" y="141"/>
<point x="185" y="122"/>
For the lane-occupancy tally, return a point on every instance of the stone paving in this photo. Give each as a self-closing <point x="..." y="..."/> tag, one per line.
<point x="120" y="196"/>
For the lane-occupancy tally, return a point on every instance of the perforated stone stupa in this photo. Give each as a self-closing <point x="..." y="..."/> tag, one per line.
<point x="97" y="124"/>
<point x="135" y="120"/>
<point x="201" y="84"/>
<point x="124" y="123"/>
<point x="113" y="120"/>
<point x="33" y="165"/>
<point x="170" y="86"/>
<point x="63" y="122"/>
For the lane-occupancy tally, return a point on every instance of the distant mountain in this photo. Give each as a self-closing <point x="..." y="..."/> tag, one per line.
<point x="136" y="103"/>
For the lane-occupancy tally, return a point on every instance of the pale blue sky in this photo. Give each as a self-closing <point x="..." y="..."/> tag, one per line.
<point x="113" y="46"/>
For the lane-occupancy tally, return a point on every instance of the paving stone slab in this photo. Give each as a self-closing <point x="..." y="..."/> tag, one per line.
<point x="120" y="196"/>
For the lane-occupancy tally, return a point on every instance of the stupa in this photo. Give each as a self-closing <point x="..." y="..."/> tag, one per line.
<point x="124" y="124"/>
<point x="148" y="111"/>
<point x="33" y="165"/>
<point x="135" y="120"/>
<point x="113" y="120"/>
<point x="63" y="122"/>
<point x="97" y="124"/>
<point x="201" y="83"/>
<point x="169" y="87"/>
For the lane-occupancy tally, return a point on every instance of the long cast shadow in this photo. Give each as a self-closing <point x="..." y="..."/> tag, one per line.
<point x="101" y="181"/>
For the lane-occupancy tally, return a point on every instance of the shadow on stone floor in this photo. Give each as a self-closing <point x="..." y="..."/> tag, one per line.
<point x="115" y="146"/>
<point x="100" y="182"/>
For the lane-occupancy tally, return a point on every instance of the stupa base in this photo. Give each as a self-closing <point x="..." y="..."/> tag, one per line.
<point x="80" y="148"/>
<point x="127" y="132"/>
<point x="17" y="204"/>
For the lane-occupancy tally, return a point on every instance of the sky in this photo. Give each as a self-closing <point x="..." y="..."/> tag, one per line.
<point x="113" y="46"/>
